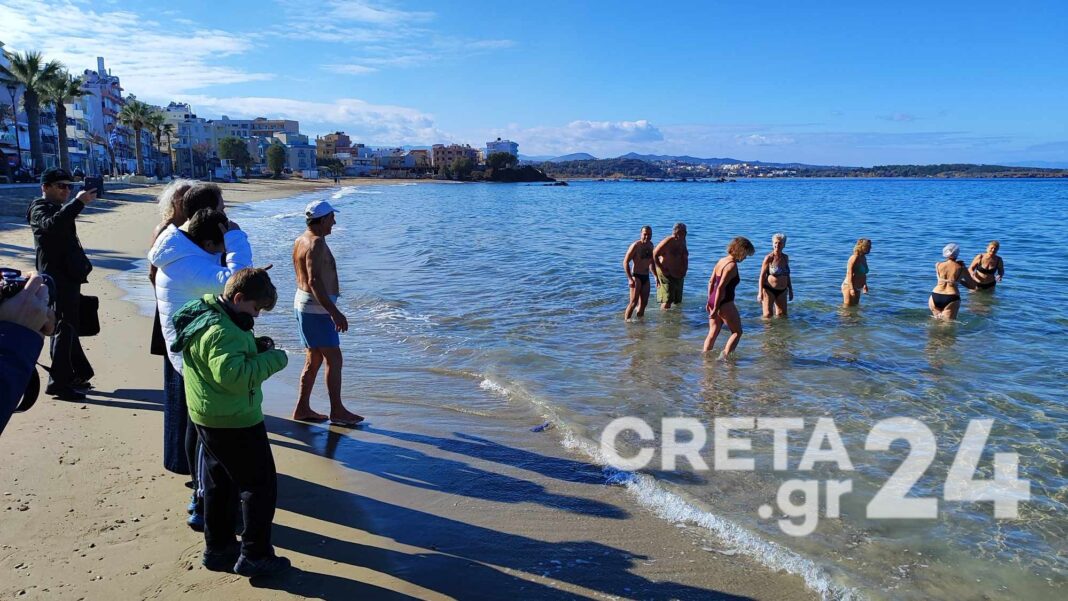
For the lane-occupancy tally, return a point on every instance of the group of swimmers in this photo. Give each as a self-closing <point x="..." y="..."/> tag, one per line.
<point x="668" y="262"/>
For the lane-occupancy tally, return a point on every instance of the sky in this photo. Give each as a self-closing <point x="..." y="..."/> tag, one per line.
<point x="827" y="83"/>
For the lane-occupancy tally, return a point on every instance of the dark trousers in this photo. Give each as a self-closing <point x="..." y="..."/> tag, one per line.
<point x="175" y="422"/>
<point x="69" y="362"/>
<point x="238" y="460"/>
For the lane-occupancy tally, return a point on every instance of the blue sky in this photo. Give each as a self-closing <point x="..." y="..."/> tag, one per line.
<point x="854" y="83"/>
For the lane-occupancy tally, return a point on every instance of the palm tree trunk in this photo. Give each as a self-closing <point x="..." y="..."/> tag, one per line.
<point x="61" y="130"/>
<point x="33" y="117"/>
<point x="170" y="153"/>
<point x="137" y="151"/>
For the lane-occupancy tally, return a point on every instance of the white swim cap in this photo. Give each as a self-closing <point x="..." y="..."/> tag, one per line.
<point x="951" y="250"/>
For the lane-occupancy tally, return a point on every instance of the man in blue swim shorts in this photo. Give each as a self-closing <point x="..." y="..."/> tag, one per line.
<point x="318" y="317"/>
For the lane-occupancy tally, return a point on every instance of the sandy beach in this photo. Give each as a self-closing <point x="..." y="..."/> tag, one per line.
<point x="88" y="512"/>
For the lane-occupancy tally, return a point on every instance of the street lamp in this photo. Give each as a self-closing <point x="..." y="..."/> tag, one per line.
<point x="12" y="87"/>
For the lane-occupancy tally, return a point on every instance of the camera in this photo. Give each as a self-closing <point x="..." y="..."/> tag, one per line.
<point x="11" y="283"/>
<point x="264" y="344"/>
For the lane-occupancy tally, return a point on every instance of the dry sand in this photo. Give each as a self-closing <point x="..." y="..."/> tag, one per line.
<point x="87" y="511"/>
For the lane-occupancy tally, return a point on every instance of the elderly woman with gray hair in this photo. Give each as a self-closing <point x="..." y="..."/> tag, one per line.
<point x="774" y="286"/>
<point x="175" y="456"/>
<point x="945" y="298"/>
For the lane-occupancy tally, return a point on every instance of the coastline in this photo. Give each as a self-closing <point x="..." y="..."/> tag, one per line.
<point x="92" y="514"/>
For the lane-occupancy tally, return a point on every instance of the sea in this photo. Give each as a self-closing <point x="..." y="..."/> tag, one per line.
<point x="504" y="303"/>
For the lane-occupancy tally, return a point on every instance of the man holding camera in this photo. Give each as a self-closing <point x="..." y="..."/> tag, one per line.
<point x="60" y="255"/>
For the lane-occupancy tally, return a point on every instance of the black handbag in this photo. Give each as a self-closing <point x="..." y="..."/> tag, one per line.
<point x="88" y="316"/>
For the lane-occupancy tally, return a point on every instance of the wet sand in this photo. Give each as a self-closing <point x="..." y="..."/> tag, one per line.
<point x="403" y="508"/>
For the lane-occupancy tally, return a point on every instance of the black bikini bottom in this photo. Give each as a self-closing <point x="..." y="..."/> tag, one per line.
<point x="775" y="292"/>
<point x="986" y="285"/>
<point x="643" y="277"/>
<point x="941" y="301"/>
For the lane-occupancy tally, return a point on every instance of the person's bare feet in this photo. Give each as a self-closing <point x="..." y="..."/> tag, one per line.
<point x="309" y="416"/>
<point x="345" y="418"/>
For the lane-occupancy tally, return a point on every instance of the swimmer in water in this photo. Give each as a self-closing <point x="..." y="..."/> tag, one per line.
<point x="721" y="308"/>
<point x="640" y="254"/>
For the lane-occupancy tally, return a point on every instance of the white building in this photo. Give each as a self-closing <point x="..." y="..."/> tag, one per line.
<point x="500" y="145"/>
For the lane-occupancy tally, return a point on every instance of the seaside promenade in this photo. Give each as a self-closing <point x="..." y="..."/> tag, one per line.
<point x="393" y="510"/>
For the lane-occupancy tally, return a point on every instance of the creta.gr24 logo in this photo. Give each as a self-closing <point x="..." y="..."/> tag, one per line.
<point x="729" y="441"/>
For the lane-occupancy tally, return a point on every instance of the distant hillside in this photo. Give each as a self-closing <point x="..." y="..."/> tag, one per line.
<point x="526" y="158"/>
<point x="578" y="156"/>
<point x="604" y="168"/>
<point x="712" y="162"/>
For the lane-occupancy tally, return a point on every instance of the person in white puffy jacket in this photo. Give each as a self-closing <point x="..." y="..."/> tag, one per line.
<point x="196" y="263"/>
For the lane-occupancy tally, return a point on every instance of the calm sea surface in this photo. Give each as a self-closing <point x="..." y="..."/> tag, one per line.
<point x="506" y="301"/>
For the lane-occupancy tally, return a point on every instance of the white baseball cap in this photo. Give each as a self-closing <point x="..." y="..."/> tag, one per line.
<point x="318" y="208"/>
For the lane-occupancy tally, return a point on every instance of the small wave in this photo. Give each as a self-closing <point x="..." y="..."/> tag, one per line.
<point x="669" y="506"/>
<point x="288" y="215"/>
<point x="490" y="385"/>
<point x="350" y="190"/>
<point x="387" y="312"/>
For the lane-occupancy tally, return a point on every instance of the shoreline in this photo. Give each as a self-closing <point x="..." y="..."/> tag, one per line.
<point x="355" y="514"/>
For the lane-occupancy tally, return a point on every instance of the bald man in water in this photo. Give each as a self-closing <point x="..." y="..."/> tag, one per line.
<point x="672" y="261"/>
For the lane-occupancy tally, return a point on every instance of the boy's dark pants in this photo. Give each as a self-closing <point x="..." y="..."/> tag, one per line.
<point x="238" y="462"/>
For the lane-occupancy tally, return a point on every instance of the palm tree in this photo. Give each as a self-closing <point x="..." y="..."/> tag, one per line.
<point x="30" y="70"/>
<point x="168" y="130"/>
<point x="103" y="143"/>
<point x="59" y="90"/>
<point x="155" y="126"/>
<point x="136" y="114"/>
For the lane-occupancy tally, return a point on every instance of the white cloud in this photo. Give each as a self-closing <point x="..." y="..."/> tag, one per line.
<point x="382" y="36"/>
<point x="597" y="137"/>
<point x="376" y="124"/>
<point x="349" y="69"/>
<point x="765" y="140"/>
<point x="155" y="61"/>
<point x="362" y="11"/>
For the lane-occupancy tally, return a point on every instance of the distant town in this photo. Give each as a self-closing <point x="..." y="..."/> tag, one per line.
<point x="84" y="123"/>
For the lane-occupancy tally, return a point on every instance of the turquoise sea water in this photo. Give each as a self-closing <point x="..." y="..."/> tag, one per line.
<point x="506" y="301"/>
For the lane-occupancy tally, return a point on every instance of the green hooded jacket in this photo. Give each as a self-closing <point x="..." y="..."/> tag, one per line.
<point x="223" y="372"/>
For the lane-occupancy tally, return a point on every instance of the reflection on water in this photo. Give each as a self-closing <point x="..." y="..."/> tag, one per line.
<point x="476" y="299"/>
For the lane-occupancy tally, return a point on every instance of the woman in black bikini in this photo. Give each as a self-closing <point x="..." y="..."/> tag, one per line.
<point x="987" y="268"/>
<point x="945" y="298"/>
<point x="774" y="285"/>
<point x="721" y="285"/>
<point x="640" y="254"/>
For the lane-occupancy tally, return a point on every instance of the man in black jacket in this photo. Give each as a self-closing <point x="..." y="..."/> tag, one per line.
<point x="60" y="255"/>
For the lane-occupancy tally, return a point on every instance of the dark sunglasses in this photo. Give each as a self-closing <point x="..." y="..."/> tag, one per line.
<point x="63" y="185"/>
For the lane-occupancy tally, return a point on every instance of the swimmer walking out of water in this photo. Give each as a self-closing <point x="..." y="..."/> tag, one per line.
<point x="856" y="278"/>
<point x="721" y="307"/>
<point x="640" y="254"/>
<point x="318" y="317"/>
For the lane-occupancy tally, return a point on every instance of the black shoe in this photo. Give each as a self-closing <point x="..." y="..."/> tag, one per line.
<point x="266" y="566"/>
<point x="64" y="393"/>
<point x="81" y="385"/>
<point x="221" y="561"/>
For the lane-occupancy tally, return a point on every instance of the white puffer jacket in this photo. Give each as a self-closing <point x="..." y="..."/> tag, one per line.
<point x="188" y="272"/>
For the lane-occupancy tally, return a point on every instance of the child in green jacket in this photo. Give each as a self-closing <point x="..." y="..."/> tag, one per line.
<point x="224" y="370"/>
